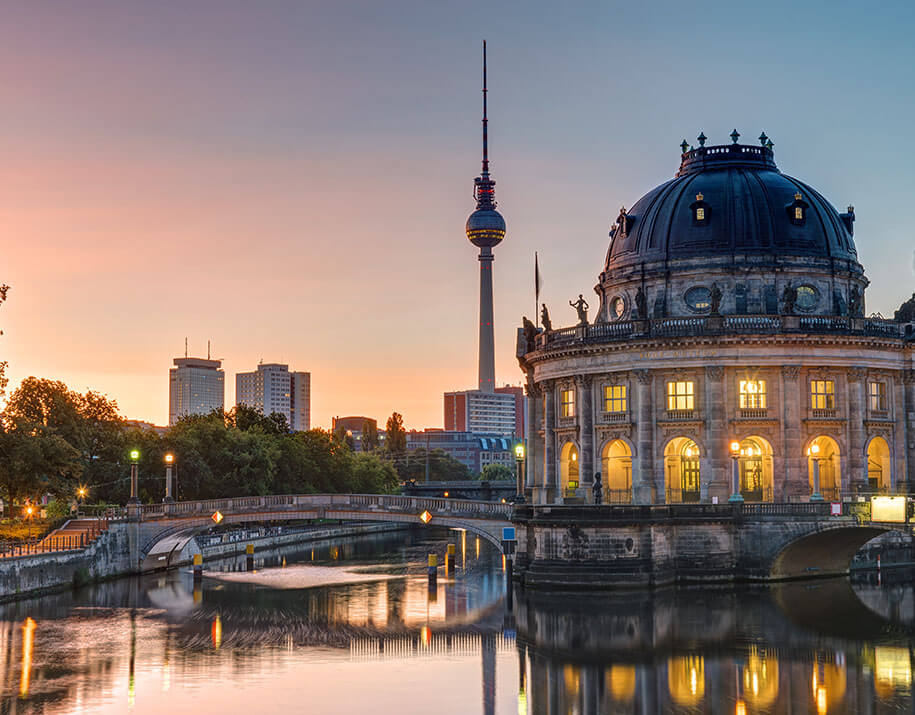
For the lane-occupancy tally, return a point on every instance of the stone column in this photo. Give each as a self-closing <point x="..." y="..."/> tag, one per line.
<point x="717" y="439"/>
<point x="548" y="492"/>
<point x="797" y="480"/>
<point x="856" y="479"/>
<point x="908" y="437"/>
<point x="642" y="478"/>
<point x="898" y="446"/>
<point x="534" y="423"/>
<point x="585" y="436"/>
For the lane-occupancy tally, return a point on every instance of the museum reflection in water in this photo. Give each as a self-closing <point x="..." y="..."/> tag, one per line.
<point x="820" y="647"/>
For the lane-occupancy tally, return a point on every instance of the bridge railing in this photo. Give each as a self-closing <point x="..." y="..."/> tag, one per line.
<point x="291" y="502"/>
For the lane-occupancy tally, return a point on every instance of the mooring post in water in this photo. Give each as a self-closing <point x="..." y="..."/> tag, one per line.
<point x="433" y="572"/>
<point x="249" y="557"/>
<point x="449" y="560"/>
<point x="198" y="567"/>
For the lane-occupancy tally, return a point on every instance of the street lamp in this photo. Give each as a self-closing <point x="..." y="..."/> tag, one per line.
<point x="813" y="451"/>
<point x="28" y="518"/>
<point x="134" y="479"/>
<point x="169" y="463"/>
<point x="519" y="463"/>
<point x="736" y="497"/>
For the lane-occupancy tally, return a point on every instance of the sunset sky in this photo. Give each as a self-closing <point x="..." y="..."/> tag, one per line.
<point x="290" y="179"/>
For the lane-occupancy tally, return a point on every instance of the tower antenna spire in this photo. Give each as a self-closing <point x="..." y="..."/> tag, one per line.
<point x="485" y="119"/>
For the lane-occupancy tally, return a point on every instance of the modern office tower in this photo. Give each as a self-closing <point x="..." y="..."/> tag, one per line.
<point x="272" y="388"/>
<point x="196" y="386"/>
<point x="480" y="412"/>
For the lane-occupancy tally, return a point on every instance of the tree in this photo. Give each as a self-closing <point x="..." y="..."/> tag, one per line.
<point x="442" y="466"/>
<point x="36" y="461"/>
<point x="396" y="441"/>
<point x="345" y="437"/>
<point x="369" y="436"/>
<point x="496" y="473"/>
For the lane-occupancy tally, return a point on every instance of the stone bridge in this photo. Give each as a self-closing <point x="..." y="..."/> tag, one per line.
<point x="160" y="531"/>
<point x="635" y="546"/>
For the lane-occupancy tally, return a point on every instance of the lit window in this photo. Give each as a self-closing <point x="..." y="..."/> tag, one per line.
<point x="681" y="395"/>
<point x="753" y="394"/>
<point x="615" y="398"/>
<point x="568" y="403"/>
<point x="877" y="394"/>
<point x="700" y="214"/>
<point x="822" y="394"/>
<point x="798" y="213"/>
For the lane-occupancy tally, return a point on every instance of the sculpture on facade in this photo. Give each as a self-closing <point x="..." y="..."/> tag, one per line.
<point x="530" y="332"/>
<point x="714" y="299"/>
<point x="789" y="298"/>
<point x="906" y="312"/>
<point x="597" y="490"/>
<point x="641" y="304"/>
<point x="855" y="303"/>
<point x="581" y="306"/>
<point x="545" y="319"/>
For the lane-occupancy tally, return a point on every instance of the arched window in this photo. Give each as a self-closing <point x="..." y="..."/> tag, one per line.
<point x="701" y="211"/>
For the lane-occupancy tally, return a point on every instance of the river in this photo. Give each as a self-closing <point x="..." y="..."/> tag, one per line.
<point x="352" y="626"/>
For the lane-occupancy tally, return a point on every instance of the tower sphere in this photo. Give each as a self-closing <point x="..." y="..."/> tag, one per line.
<point x="485" y="228"/>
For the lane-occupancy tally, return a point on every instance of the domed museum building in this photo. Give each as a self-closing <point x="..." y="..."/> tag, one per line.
<point x="730" y="348"/>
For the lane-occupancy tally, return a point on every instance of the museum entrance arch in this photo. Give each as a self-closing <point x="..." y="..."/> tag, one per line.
<point x="879" y="465"/>
<point x="826" y="450"/>
<point x="755" y="464"/>
<point x="681" y="470"/>
<point x="568" y="469"/>
<point x="616" y="465"/>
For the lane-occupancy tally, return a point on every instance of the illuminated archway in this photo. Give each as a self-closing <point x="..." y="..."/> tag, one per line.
<point x="616" y="467"/>
<point x="755" y="464"/>
<point x="879" y="465"/>
<point x="681" y="470"/>
<point x="826" y="449"/>
<point x="686" y="679"/>
<point x="568" y="468"/>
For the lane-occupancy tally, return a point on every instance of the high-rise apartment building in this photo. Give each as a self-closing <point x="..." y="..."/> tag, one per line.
<point x="273" y="388"/>
<point x="195" y="387"/>
<point x="494" y="413"/>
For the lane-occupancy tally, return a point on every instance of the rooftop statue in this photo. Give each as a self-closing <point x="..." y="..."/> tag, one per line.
<point x="789" y="298"/>
<point x="906" y="312"/>
<point x="530" y="332"/>
<point x="581" y="306"/>
<point x="715" y="299"/>
<point x="855" y="303"/>
<point x="545" y="319"/>
<point x="641" y="304"/>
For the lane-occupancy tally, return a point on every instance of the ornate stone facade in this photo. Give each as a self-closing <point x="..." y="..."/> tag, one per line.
<point x="787" y="368"/>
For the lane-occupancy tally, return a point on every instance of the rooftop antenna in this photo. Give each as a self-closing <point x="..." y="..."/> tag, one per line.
<point x="208" y="349"/>
<point x="185" y="347"/>
<point x="485" y="120"/>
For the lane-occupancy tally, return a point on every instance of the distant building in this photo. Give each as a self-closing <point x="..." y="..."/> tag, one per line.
<point x="500" y="412"/>
<point x="272" y="388"/>
<point x="353" y="426"/>
<point x="196" y="386"/>
<point x="474" y="450"/>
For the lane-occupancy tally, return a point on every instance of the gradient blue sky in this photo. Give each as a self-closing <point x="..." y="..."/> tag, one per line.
<point x="291" y="179"/>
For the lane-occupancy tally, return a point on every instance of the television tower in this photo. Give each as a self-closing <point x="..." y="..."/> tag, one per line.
<point x="486" y="228"/>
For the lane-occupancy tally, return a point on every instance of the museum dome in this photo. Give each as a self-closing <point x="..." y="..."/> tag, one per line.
<point x="729" y="201"/>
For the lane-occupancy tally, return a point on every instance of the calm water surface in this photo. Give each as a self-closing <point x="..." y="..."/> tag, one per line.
<point x="383" y="643"/>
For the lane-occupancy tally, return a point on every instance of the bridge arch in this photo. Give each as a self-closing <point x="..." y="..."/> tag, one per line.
<point x="825" y="552"/>
<point x="164" y="530"/>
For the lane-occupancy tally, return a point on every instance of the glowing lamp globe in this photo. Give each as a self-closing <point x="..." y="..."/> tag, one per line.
<point x="135" y="455"/>
<point x="485" y="228"/>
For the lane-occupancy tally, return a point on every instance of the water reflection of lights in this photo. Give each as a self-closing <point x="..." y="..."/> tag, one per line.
<point x="216" y="632"/>
<point x="522" y="703"/>
<point x="828" y="685"/>
<point x="686" y="679"/>
<point x="620" y="681"/>
<point x="892" y="671"/>
<point x="28" y="641"/>
<point x="740" y="708"/>
<point x="760" y="679"/>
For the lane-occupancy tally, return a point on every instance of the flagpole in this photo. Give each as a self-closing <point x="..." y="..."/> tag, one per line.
<point x="536" y="291"/>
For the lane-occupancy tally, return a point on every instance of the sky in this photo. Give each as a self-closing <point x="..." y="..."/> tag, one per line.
<point x="290" y="179"/>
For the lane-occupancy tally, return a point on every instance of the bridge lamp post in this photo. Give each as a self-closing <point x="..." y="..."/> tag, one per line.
<point x="736" y="497"/>
<point x="134" y="478"/>
<point x="813" y="451"/>
<point x="519" y="463"/>
<point x="169" y="463"/>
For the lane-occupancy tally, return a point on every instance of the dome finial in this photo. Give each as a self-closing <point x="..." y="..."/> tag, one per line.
<point x="735" y="135"/>
<point x="701" y="138"/>
<point x="684" y="145"/>
<point x="763" y="139"/>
